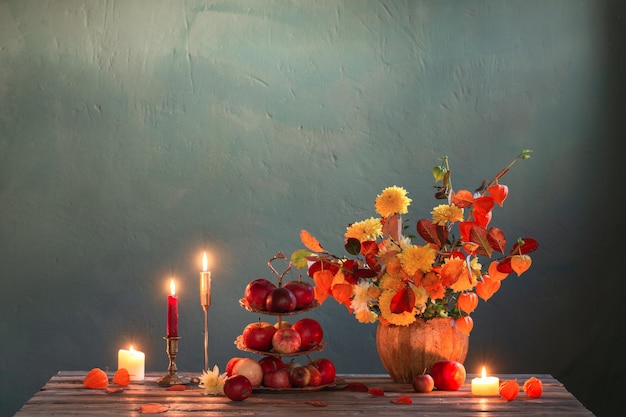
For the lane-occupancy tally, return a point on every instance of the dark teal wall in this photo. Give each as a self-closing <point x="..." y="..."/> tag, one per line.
<point x="136" y="134"/>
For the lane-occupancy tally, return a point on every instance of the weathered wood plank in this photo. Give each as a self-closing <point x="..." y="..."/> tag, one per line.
<point x="64" y="395"/>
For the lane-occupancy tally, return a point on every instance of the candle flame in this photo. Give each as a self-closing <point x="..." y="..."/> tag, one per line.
<point x="172" y="288"/>
<point x="131" y="348"/>
<point x="205" y="262"/>
<point x="484" y="372"/>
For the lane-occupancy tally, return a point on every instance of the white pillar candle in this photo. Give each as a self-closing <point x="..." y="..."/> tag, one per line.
<point x="486" y="385"/>
<point x="134" y="362"/>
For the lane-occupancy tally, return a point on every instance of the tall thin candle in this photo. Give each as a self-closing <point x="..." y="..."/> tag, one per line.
<point x="172" y="311"/>
<point x="205" y="283"/>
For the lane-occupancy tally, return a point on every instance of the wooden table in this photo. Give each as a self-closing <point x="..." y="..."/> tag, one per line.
<point x="64" y="395"/>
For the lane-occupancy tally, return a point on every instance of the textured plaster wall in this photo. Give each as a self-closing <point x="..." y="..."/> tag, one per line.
<point x="136" y="134"/>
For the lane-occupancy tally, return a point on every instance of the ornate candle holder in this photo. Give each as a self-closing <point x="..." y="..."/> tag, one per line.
<point x="172" y="377"/>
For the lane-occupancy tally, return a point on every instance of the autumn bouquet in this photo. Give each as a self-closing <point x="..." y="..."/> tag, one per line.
<point x="387" y="277"/>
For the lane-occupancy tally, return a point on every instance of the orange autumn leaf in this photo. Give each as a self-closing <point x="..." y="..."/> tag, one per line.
<point x="499" y="193"/>
<point x="316" y="403"/>
<point x="468" y="301"/>
<point x="402" y="400"/>
<point x="509" y="389"/>
<point x="177" y="387"/>
<point x="376" y="391"/>
<point x="452" y="271"/>
<point x="533" y="387"/>
<point x="114" y="390"/>
<point x="487" y="287"/>
<point x="403" y="301"/>
<point x="95" y="379"/>
<point x="121" y="377"/>
<point x="520" y="263"/>
<point x="153" y="408"/>
<point x="465" y="324"/>
<point x="310" y="241"/>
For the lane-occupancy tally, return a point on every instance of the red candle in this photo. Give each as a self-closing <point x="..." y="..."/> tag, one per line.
<point x="172" y="312"/>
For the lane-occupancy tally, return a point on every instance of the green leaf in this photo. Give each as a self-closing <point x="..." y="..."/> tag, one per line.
<point x="298" y="258"/>
<point x="439" y="172"/>
<point x="353" y="246"/>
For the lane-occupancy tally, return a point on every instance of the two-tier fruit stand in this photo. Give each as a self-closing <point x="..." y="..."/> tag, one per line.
<point x="279" y="315"/>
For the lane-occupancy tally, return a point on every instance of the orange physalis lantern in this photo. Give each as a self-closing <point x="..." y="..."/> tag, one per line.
<point x="465" y="324"/>
<point x="96" y="378"/>
<point x="121" y="377"/>
<point x="499" y="193"/>
<point x="533" y="387"/>
<point x="520" y="263"/>
<point x="462" y="199"/>
<point x="487" y="287"/>
<point x="509" y="389"/>
<point x="468" y="301"/>
<point x="494" y="273"/>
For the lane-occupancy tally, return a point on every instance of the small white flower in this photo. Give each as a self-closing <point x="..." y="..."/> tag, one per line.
<point x="212" y="381"/>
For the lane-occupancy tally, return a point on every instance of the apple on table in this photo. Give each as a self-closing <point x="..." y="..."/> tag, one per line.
<point x="237" y="387"/>
<point x="423" y="383"/>
<point x="448" y="375"/>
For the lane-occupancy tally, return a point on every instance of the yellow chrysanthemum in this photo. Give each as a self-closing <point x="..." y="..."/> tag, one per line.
<point x="444" y="213"/>
<point x="421" y="297"/>
<point x="417" y="258"/>
<point x="212" y="381"/>
<point x="369" y="229"/>
<point x="391" y="282"/>
<point x="393" y="200"/>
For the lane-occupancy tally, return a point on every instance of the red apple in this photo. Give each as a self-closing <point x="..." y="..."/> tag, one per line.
<point x="258" y="336"/>
<point x="304" y="292"/>
<point x="311" y="333"/>
<point x="423" y="383"/>
<point x="271" y="363"/>
<point x="316" y="376"/>
<point x="326" y="368"/>
<point x="237" y="387"/>
<point x="300" y="376"/>
<point x="277" y="378"/>
<point x="280" y="300"/>
<point x="229" y="365"/>
<point x="286" y="340"/>
<point x="448" y="375"/>
<point x="251" y="369"/>
<point x="256" y="292"/>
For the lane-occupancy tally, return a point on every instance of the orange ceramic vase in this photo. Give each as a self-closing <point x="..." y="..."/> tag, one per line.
<point x="406" y="351"/>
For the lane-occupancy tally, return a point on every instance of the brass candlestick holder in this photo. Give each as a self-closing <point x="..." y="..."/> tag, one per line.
<point x="172" y="377"/>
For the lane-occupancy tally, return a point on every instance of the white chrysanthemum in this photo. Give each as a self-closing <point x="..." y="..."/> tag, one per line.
<point x="361" y="301"/>
<point x="212" y="381"/>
